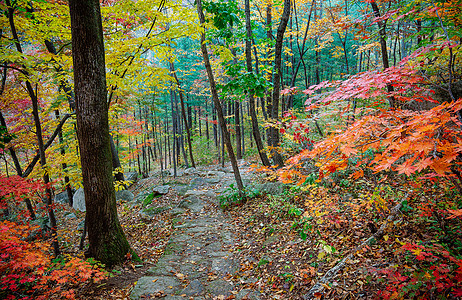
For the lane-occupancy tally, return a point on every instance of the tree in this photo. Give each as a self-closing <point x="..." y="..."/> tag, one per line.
<point x="216" y="101"/>
<point x="248" y="56"/>
<point x="107" y="241"/>
<point x="274" y="133"/>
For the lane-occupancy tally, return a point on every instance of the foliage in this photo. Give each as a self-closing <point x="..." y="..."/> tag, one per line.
<point x="231" y="197"/>
<point x="433" y="270"/>
<point x="28" y="272"/>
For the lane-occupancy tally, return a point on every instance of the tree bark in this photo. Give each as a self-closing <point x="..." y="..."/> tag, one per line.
<point x="107" y="241"/>
<point x="216" y="100"/>
<point x="187" y="125"/>
<point x="248" y="55"/>
<point x="274" y="132"/>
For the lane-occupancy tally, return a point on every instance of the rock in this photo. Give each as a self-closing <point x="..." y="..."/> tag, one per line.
<point x="213" y="180"/>
<point x="197" y="182"/>
<point x="61" y="198"/>
<point x="271" y="188"/>
<point x="193" y="203"/>
<point x="248" y="295"/>
<point x="194" y="288"/>
<point x="225" y="170"/>
<point x="165" y="266"/>
<point x="199" y="193"/>
<point x="81" y="225"/>
<point x="79" y="200"/>
<point x="176" y="211"/>
<point x="171" y="172"/>
<point x="132" y="177"/>
<point x="71" y="216"/>
<point x="167" y="172"/>
<point x="151" y="285"/>
<point x="191" y="171"/>
<point x="215" y="174"/>
<point x="181" y="189"/>
<point x="124" y="195"/>
<point x="224" y="266"/>
<point x="160" y="190"/>
<point x="219" y="287"/>
<point x="43" y="230"/>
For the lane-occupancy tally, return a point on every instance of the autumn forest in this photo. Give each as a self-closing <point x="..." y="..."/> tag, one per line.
<point x="304" y="149"/>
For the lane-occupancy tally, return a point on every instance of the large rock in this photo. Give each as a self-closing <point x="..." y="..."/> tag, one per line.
<point x="78" y="201"/>
<point x="197" y="182"/>
<point x="191" y="171"/>
<point x="160" y="190"/>
<point x="61" y="198"/>
<point x="271" y="188"/>
<point x="124" y="195"/>
<point x="132" y="177"/>
<point x="79" y="198"/>
<point x="151" y="285"/>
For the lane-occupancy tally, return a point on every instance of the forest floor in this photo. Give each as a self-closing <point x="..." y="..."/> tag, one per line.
<point x="276" y="245"/>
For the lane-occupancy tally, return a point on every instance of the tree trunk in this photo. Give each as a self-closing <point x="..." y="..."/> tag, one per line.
<point x="274" y="132"/>
<point x="253" y="115"/>
<point x="216" y="100"/>
<point x="107" y="241"/>
<point x="187" y="125"/>
<point x="174" y="140"/>
<point x="383" y="46"/>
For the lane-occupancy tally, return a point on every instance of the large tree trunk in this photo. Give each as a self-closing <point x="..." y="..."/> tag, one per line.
<point x="253" y="115"/>
<point x="216" y="101"/>
<point x="107" y="242"/>
<point x="274" y="132"/>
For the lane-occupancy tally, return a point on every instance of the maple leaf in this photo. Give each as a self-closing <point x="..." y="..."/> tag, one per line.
<point x="406" y="168"/>
<point x="457" y="213"/>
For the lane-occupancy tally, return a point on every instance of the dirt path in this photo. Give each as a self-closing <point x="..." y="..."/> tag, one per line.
<point x="197" y="262"/>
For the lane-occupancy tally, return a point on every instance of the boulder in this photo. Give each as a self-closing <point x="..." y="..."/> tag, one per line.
<point x="79" y="200"/>
<point x="270" y="188"/>
<point x="160" y="190"/>
<point x="124" y="195"/>
<point x="191" y="171"/>
<point x="171" y="172"/>
<point x="197" y="182"/>
<point x="132" y="177"/>
<point x="61" y="198"/>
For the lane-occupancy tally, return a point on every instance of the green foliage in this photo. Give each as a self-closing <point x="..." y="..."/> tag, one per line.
<point x="225" y="16"/>
<point x="244" y="83"/>
<point x="148" y="200"/>
<point x="231" y="197"/>
<point x="5" y="137"/>
<point x="204" y="154"/>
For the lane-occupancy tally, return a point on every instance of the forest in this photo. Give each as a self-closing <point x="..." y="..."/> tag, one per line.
<point x="307" y="149"/>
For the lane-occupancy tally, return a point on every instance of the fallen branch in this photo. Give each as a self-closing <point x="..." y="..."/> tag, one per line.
<point x="321" y="284"/>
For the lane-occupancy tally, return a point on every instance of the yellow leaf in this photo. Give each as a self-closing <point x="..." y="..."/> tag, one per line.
<point x="321" y="255"/>
<point x="385" y="237"/>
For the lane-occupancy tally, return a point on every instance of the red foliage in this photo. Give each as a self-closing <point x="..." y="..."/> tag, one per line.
<point x="27" y="271"/>
<point x="439" y="271"/>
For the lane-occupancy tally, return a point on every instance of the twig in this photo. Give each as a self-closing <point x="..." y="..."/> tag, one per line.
<point x="320" y="285"/>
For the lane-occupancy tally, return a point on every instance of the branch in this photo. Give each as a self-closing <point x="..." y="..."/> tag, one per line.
<point x="320" y="285"/>
<point x="130" y="58"/>
<point x="34" y="161"/>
